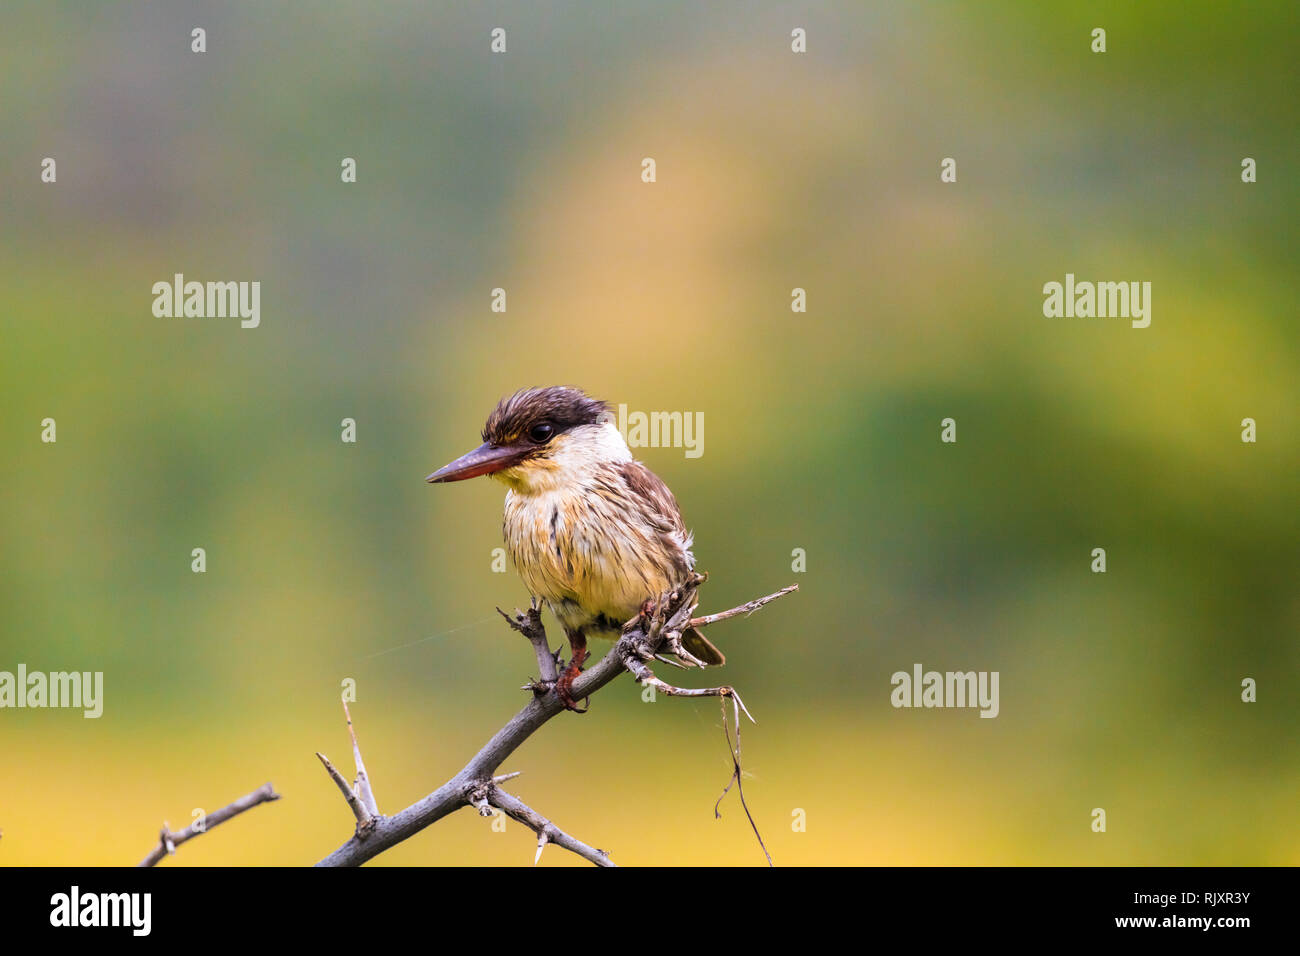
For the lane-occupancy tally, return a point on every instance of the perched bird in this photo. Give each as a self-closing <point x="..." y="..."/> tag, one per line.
<point x="593" y="532"/>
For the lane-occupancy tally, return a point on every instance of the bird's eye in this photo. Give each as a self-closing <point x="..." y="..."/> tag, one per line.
<point x="541" y="432"/>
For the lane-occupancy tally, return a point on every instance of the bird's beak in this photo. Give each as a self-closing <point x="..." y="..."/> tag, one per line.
<point x="483" y="460"/>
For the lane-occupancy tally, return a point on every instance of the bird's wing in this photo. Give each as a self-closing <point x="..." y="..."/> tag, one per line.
<point x="659" y="509"/>
<point x="702" y="648"/>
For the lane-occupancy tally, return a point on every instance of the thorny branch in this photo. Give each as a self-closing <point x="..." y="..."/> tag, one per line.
<point x="169" y="841"/>
<point x="476" y="785"/>
<point x="746" y="609"/>
<point x="360" y="798"/>
<point x="530" y="626"/>
<point x="737" y="773"/>
<point x="547" y="832"/>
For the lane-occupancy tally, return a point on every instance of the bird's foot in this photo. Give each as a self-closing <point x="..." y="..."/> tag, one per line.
<point x="645" y="618"/>
<point x="674" y="644"/>
<point x="564" y="686"/>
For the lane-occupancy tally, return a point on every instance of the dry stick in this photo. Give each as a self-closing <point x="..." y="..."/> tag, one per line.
<point x="530" y="626"/>
<point x="359" y="809"/>
<point x="547" y="832"/>
<point x="639" y="640"/>
<point x="360" y="798"/>
<point x="169" y="841"/>
<point x="644" y="675"/>
<point x="362" y="786"/>
<point x="736" y="773"/>
<point x="746" y="609"/>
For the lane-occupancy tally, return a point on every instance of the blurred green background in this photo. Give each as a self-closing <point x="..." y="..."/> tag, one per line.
<point x="328" y="560"/>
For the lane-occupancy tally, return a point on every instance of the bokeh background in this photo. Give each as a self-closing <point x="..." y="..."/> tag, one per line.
<point x="328" y="560"/>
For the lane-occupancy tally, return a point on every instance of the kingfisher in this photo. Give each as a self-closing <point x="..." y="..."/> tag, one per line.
<point x="593" y="533"/>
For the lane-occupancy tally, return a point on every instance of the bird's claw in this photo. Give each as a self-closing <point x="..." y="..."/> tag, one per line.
<point x="564" y="685"/>
<point x="674" y="643"/>
<point x="651" y="615"/>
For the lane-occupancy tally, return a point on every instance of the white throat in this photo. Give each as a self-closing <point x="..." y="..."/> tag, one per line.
<point x="571" y="460"/>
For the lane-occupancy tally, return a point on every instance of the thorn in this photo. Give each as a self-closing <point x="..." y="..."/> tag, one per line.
<point x="668" y="660"/>
<point x="741" y="704"/>
<point x="541" y="845"/>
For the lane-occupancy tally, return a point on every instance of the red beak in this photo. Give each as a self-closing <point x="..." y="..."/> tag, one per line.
<point x="483" y="460"/>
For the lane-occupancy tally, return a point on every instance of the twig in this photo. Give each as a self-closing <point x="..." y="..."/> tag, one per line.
<point x="530" y="626"/>
<point x="362" y="785"/>
<point x="644" y="675"/>
<point x="635" y="660"/>
<point x="736" y="772"/>
<point x="547" y="832"/>
<point x="359" y="809"/>
<point x="748" y="608"/>
<point x="640" y="641"/>
<point x="169" y="841"/>
<point x="360" y="798"/>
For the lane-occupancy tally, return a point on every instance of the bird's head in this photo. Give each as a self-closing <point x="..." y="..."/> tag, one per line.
<point x="539" y="439"/>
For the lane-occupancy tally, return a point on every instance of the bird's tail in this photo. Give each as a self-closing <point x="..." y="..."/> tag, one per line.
<point x="700" y="646"/>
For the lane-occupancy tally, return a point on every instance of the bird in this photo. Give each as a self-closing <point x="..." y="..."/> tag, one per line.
<point x="594" y="534"/>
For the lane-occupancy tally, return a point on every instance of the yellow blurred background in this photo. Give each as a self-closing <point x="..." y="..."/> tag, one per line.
<point x="775" y="170"/>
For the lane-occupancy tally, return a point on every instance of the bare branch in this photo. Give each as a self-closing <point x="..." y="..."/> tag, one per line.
<point x="547" y="832"/>
<point x="746" y="609"/>
<point x="530" y="626"/>
<point x="359" y="809"/>
<point x="644" y="675"/>
<point x="360" y="798"/>
<point x="362" y="786"/>
<point x="736" y="772"/>
<point x="169" y="841"/>
<point x="641" y="670"/>
<point x="640" y="641"/>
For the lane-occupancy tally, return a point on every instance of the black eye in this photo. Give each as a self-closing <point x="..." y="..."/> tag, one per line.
<point x="541" y="432"/>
